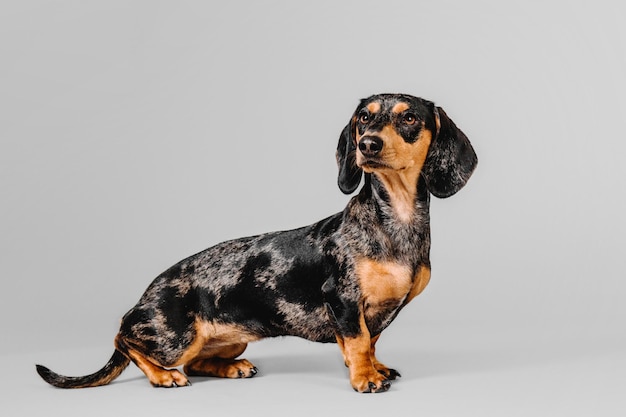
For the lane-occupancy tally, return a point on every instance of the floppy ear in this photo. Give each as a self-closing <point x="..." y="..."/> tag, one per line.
<point x="350" y="174"/>
<point x="451" y="158"/>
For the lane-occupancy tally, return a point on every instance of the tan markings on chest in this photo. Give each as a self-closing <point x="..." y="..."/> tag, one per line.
<point x="389" y="282"/>
<point x="383" y="282"/>
<point x="420" y="281"/>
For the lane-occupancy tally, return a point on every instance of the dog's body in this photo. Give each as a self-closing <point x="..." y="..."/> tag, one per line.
<point x="343" y="279"/>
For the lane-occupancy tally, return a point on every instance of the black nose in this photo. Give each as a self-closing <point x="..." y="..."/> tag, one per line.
<point x="370" y="145"/>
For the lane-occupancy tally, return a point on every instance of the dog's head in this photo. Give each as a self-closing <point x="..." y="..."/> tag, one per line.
<point x="399" y="132"/>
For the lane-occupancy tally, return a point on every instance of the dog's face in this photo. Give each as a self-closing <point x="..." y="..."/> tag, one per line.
<point x="398" y="132"/>
<point x="392" y="132"/>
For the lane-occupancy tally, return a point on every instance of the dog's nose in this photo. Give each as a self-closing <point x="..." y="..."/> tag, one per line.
<point x="370" y="145"/>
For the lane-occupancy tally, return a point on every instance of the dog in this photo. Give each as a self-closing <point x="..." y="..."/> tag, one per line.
<point x="343" y="279"/>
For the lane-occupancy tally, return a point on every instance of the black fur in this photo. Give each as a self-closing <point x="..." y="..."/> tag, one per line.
<point x="349" y="174"/>
<point x="451" y="159"/>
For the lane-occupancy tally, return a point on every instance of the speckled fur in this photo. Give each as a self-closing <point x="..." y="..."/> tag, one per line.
<point x="300" y="282"/>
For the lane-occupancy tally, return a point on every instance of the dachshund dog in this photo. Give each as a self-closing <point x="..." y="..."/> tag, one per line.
<point x="342" y="279"/>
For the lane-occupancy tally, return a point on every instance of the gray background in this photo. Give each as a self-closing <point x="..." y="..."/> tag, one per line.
<point x="135" y="133"/>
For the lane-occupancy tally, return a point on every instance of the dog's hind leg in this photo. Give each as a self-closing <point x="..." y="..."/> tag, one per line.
<point x="156" y="351"/>
<point x="220" y="362"/>
<point x="157" y="374"/>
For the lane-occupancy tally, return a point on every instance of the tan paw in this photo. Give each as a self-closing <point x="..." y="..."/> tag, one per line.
<point x="222" y="368"/>
<point x="369" y="381"/>
<point x="240" y="368"/>
<point x="169" y="379"/>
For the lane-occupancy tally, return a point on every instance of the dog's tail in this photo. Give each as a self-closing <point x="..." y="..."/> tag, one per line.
<point x="108" y="373"/>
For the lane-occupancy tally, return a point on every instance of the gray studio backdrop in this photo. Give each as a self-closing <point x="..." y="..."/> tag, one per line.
<point x="135" y="133"/>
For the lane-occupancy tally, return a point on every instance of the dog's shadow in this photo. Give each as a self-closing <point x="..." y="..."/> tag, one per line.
<point x="296" y="357"/>
<point x="311" y="363"/>
<point x="412" y="364"/>
<point x="306" y="363"/>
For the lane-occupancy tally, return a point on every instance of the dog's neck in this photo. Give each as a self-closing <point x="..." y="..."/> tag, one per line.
<point x="408" y="242"/>
<point x="402" y="192"/>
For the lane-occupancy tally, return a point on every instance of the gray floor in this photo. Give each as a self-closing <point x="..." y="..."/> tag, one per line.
<point x="446" y="370"/>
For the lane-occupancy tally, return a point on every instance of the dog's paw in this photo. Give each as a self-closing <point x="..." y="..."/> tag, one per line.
<point x="389" y="373"/>
<point x="242" y="369"/>
<point x="169" y="379"/>
<point x="222" y="368"/>
<point x="369" y="381"/>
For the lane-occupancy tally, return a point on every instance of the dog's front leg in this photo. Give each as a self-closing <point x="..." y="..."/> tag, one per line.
<point x="387" y="372"/>
<point x="345" y="312"/>
<point x="356" y="351"/>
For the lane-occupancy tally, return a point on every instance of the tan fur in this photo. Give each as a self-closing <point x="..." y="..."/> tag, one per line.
<point x="373" y="107"/>
<point x="157" y="375"/>
<point x="220" y="362"/>
<point x="400" y="107"/>
<point x="420" y="281"/>
<point x="218" y="335"/>
<point x="404" y="161"/>
<point x="379" y="366"/>
<point x="382" y="282"/>
<point x="357" y="354"/>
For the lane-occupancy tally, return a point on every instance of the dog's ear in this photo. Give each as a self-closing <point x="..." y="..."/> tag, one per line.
<point x="350" y="174"/>
<point x="451" y="158"/>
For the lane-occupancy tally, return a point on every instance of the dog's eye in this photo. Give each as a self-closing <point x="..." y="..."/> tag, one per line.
<point x="409" y="118"/>
<point x="364" y="118"/>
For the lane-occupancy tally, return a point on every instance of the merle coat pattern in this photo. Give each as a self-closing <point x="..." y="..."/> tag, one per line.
<point x="342" y="279"/>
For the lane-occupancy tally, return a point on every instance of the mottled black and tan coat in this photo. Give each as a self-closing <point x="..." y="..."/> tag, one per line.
<point x="342" y="279"/>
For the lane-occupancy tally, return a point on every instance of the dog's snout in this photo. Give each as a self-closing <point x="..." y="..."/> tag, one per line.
<point x="370" y="145"/>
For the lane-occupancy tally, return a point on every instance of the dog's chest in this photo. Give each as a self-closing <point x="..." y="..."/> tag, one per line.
<point x="386" y="286"/>
<point x="383" y="282"/>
